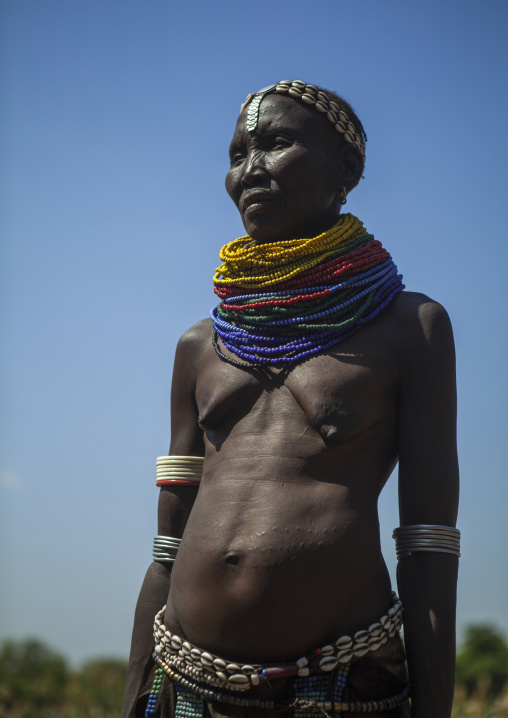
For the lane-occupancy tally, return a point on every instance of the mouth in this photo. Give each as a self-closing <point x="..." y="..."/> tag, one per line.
<point x="255" y="199"/>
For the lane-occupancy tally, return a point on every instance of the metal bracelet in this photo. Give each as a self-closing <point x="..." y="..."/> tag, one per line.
<point x="165" y="548"/>
<point x="426" y="537"/>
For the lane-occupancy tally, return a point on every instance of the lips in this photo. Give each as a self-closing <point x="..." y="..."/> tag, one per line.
<point x="254" y="198"/>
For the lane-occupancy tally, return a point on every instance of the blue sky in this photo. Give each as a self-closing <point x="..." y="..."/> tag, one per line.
<point x="117" y="119"/>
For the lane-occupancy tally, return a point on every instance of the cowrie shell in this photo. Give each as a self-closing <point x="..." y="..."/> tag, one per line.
<point x="233" y="667"/>
<point x="327" y="650"/>
<point x="361" y="650"/>
<point x="219" y="663"/>
<point x="344" y="642"/>
<point x="222" y="676"/>
<point x="375" y="629"/>
<point x="321" y="107"/>
<point x="238" y="678"/>
<point x="361" y="636"/>
<point x="206" y="659"/>
<point x="308" y="99"/>
<point x="295" y="92"/>
<point x="345" y="656"/>
<point x="375" y="643"/>
<point x="328" y="663"/>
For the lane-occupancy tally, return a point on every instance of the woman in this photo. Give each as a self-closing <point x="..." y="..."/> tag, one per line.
<point x="316" y="374"/>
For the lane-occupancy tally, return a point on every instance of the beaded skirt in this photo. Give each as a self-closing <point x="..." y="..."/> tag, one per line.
<point x="376" y="682"/>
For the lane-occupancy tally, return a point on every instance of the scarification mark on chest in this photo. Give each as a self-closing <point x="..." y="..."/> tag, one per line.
<point x="336" y="408"/>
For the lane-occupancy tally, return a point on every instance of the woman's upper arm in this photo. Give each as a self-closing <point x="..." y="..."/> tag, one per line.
<point x="175" y="502"/>
<point x="186" y="435"/>
<point x="428" y="466"/>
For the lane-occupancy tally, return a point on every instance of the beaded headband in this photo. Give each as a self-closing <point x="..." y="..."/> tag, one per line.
<point x="312" y="97"/>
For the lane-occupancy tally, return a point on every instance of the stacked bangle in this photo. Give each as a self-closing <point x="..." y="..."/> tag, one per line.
<point x="165" y="548"/>
<point x="179" y="470"/>
<point x="426" y="537"/>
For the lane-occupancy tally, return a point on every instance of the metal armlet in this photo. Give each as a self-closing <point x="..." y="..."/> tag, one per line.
<point x="426" y="537"/>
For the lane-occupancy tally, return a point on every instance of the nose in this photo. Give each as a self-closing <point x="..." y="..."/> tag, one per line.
<point x="253" y="168"/>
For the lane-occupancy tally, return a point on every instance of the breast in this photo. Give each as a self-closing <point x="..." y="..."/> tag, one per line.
<point x="342" y="398"/>
<point x="224" y="394"/>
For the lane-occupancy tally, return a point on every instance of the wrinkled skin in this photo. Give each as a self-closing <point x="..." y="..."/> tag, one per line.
<point x="280" y="550"/>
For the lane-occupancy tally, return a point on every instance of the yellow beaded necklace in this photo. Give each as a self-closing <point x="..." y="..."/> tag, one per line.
<point x="252" y="265"/>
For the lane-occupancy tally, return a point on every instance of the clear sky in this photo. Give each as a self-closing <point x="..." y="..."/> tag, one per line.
<point x="116" y="122"/>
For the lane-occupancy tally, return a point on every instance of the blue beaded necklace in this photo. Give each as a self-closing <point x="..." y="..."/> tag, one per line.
<point x="284" y="323"/>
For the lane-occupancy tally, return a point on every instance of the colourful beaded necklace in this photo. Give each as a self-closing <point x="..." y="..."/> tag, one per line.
<point x="283" y="301"/>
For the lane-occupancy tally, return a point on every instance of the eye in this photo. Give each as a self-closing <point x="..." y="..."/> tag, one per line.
<point x="278" y="142"/>
<point x="236" y="158"/>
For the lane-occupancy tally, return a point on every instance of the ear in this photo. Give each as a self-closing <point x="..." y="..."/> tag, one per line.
<point x="349" y="166"/>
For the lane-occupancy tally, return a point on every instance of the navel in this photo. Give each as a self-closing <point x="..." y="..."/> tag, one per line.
<point x="232" y="558"/>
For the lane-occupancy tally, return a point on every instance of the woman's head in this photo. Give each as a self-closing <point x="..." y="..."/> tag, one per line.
<point x="291" y="165"/>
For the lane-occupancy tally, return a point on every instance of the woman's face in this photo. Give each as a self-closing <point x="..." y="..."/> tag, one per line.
<point x="285" y="177"/>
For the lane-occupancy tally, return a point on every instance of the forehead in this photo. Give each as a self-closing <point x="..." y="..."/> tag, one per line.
<point x="281" y="113"/>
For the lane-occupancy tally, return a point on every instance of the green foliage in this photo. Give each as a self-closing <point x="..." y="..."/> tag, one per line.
<point x="35" y="682"/>
<point x="100" y="684"/>
<point x="482" y="664"/>
<point x="31" y="673"/>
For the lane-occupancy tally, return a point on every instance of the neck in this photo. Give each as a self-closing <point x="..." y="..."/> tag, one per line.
<point x="262" y="235"/>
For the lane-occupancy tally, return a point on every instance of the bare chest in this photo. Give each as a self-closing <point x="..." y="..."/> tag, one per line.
<point x="337" y="395"/>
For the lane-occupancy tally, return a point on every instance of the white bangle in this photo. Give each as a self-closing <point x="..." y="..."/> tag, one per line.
<point x="179" y="470"/>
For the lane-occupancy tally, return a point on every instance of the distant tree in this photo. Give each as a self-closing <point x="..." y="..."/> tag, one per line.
<point x="98" y="688"/>
<point x="35" y="682"/>
<point x="31" y="674"/>
<point x="483" y="661"/>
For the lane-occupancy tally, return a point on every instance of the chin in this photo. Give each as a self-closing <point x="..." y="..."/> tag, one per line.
<point x="265" y="229"/>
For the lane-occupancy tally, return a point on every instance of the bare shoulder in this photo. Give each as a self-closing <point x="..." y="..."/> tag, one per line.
<point x="197" y="334"/>
<point x="423" y="329"/>
<point x="414" y="308"/>
<point x="194" y="342"/>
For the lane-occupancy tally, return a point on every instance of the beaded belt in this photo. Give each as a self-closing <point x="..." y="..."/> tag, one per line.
<point x="179" y="658"/>
<point x="301" y="706"/>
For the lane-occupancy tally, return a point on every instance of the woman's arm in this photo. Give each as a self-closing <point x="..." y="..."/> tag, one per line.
<point x="428" y="494"/>
<point x="175" y="505"/>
